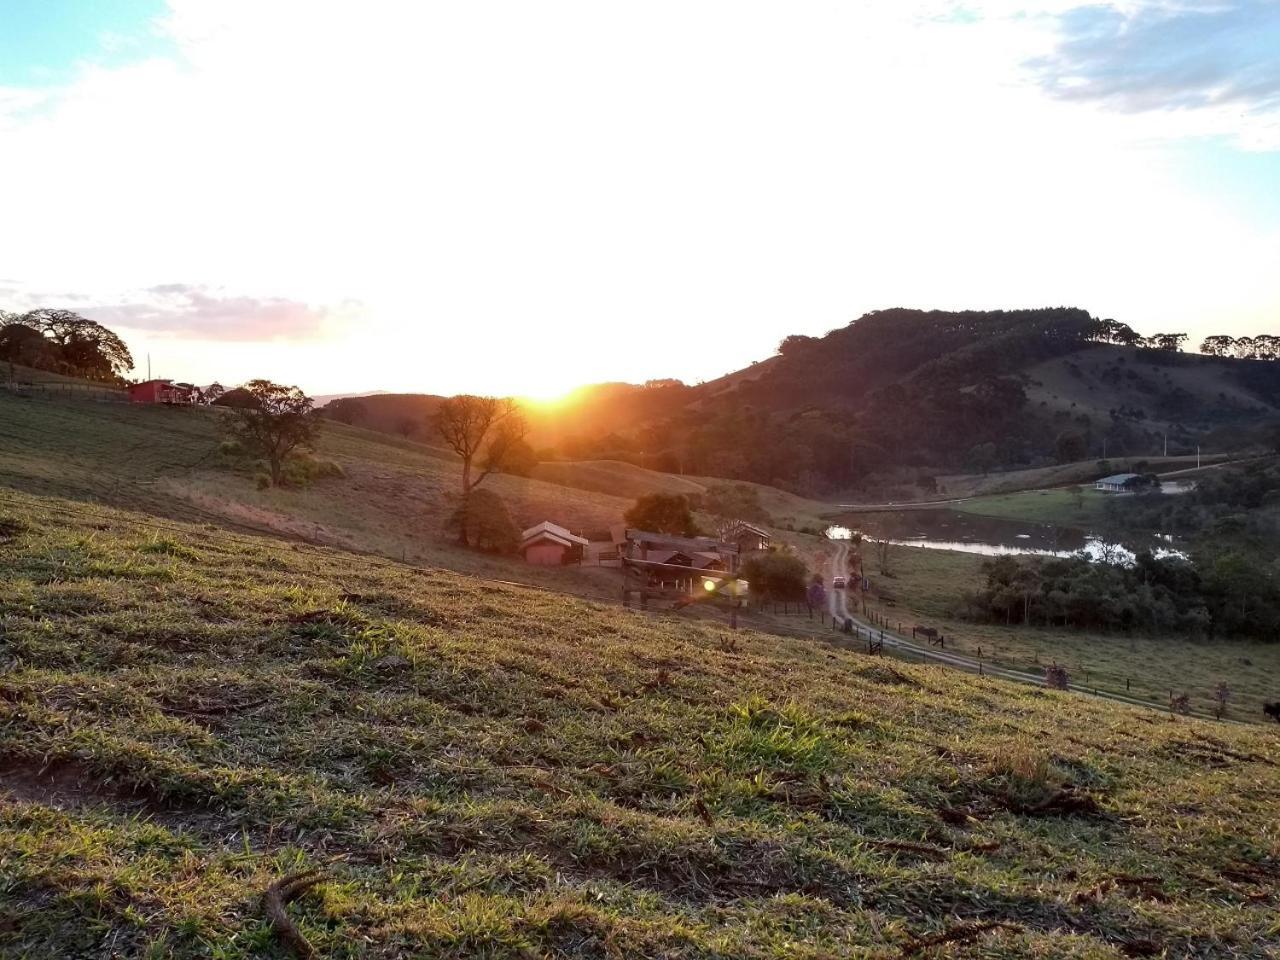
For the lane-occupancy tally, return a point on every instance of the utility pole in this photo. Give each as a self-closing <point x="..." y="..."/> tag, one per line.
<point x="148" y="366"/>
<point x="1166" y="443"/>
<point x="1197" y="456"/>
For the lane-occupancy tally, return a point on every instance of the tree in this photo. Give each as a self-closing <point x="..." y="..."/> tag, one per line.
<point x="467" y="423"/>
<point x="1166" y="341"/>
<point x="406" y="427"/>
<point x="278" y="421"/>
<point x="346" y="410"/>
<point x="518" y="458"/>
<point x="776" y="576"/>
<point x="1218" y="345"/>
<point x="26" y="345"/>
<point x="87" y="348"/>
<point x="1071" y="447"/>
<point x="213" y="392"/>
<point x="663" y="513"/>
<point x="483" y="521"/>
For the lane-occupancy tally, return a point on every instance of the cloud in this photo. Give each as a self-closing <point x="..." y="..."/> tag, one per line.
<point x="1170" y="56"/>
<point x="196" y="312"/>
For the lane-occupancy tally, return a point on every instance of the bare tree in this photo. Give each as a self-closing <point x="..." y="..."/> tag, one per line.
<point x="483" y="429"/>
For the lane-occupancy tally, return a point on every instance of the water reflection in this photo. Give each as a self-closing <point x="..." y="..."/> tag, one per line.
<point x="939" y="529"/>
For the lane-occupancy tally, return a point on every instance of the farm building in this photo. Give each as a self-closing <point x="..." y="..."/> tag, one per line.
<point x="748" y="537"/>
<point x="1117" y="483"/>
<point x="164" y="391"/>
<point x="550" y="545"/>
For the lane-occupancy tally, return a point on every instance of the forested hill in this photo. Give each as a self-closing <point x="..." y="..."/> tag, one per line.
<point x="900" y="395"/>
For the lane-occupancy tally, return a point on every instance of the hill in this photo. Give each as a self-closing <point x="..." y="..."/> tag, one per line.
<point x="188" y="715"/>
<point x="883" y="407"/>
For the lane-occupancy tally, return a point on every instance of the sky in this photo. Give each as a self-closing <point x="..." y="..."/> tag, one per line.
<point x="515" y="197"/>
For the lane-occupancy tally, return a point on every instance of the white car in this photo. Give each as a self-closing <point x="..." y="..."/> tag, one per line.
<point x="837" y="583"/>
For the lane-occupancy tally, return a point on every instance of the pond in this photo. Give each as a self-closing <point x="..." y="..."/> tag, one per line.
<point x="941" y="529"/>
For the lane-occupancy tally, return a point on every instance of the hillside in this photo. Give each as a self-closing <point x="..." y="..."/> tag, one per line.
<point x="187" y="716"/>
<point x="883" y="407"/>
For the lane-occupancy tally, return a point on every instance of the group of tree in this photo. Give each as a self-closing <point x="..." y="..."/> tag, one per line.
<point x="60" y="341"/>
<point x="1265" y="346"/>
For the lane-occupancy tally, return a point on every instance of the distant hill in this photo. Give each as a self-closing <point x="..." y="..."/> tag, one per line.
<point x="900" y="396"/>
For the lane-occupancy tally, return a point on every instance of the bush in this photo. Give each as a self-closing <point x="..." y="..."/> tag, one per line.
<point x="231" y="448"/>
<point x="735" y="501"/>
<point x="262" y="480"/>
<point x="483" y="521"/>
<point x="775" y="576"/>
<point x="303" y="469"/>
<point x="663" y="513"/>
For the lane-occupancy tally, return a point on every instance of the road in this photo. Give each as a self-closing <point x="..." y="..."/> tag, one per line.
<point x="838" y="604"/>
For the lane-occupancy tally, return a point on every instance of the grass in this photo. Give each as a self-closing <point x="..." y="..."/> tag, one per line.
<point x="927" y="586"/>
<point x="187" y="714"/>
<point x="1062" y="506"/>
<point x="1063" y="474"/>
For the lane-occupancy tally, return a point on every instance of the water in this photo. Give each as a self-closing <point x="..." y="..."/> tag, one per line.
<point x="940" y="529"/>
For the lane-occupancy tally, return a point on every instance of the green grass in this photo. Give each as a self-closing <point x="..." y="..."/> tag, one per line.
<point x="927" y="586"/>
<point x="1063" y="507"/>
<point x="187" y="714"/>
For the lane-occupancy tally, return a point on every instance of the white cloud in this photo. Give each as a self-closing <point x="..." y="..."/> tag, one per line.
<point x="604" y="191"/>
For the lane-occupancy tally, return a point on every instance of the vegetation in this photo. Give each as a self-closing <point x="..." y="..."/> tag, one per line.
<point x="63" y="342"/>
<point x="276" y="421"/>
<point x="1265" y="346"/>
<point x="483" y="521"/>
<point x="188" y="717"/>
<point x="776" y="576"/>
<point x="663" y="513"/>
<point x="734" y="501"/>
<point x="930" y="587"/>
<point x="473" y="427"/>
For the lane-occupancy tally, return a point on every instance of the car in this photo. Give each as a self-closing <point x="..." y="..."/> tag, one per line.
<point x="837" y="583"/>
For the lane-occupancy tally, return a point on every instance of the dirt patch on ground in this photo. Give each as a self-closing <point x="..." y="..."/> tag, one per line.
<point x="66" y="784"/>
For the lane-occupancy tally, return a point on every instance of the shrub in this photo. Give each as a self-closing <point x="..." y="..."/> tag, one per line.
<point x="483" y="521"/>
<point x="303" y="469"/>
<point x="231" y="448"/>
<point x="776" y="576"/>
<point x="663" y="513"/>
<point x="262" y="480"/>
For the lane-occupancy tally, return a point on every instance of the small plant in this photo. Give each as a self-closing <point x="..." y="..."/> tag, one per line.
<point x="1056" y="677"/>
<point x="1221" y="694"/>
<point x="1181" y="703"/>
<point x="262" y="481"/>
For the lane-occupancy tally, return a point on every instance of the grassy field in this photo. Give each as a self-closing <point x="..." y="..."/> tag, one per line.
<point x="393" y="500"/>
<point x="188" y="715"/>
<point x="1081" y="507"/>
<point x="926" y="587"/>
<point x="1061" y="475"/>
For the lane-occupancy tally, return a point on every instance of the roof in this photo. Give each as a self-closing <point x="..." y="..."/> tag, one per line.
<point x="1118" y="479"/>
<point x="553" y="531"/>
<point x="147" y="383"/>
<point x="743" y="527"/>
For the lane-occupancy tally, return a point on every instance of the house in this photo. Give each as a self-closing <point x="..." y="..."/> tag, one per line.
<point x="1117" y="483"/>
<point x="164" y="391"/>
<point x="748" y="537"/>
<point x="551" y="545"/>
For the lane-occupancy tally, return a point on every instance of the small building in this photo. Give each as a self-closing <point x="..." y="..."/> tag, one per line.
<point x="551" y="545"/>
<point x="164" y="391"/>
<point x="1117" y="483"/>
<point x="748" y="537"/>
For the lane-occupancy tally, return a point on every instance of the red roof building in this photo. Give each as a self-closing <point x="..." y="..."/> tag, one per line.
<point x="163" y="391"/>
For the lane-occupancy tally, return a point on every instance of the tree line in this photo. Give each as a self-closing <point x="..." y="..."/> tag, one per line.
<point x="1264" y="346"/>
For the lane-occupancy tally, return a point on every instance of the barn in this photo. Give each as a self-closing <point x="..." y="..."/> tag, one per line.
<point x="550" y="545"/>
<point x="163" y="391"/>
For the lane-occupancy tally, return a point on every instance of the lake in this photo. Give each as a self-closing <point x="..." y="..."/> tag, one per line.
<point x="943" y="529"/>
